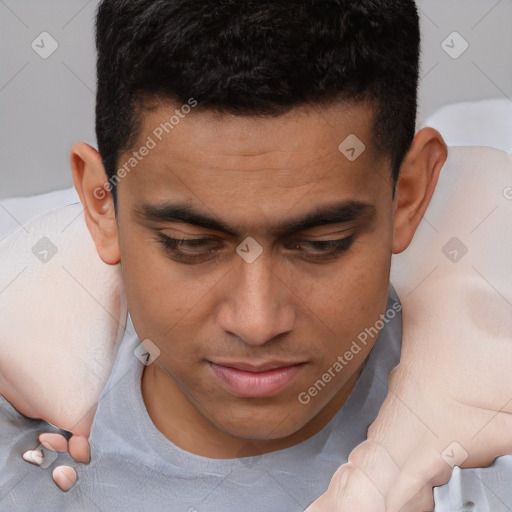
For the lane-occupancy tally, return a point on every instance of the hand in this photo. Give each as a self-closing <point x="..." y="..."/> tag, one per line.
<point x="66" y="352"/>
<point x="450" y="399"/>
<point x="450" y="402"/>
<point x="77" y="446"/>
<point x="76" y="442"/>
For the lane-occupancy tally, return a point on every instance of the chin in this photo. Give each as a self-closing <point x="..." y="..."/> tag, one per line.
<point x="261" y="427"/>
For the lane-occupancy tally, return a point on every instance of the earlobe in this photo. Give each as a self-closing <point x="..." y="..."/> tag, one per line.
<point x="89" y="179"/>
<point x="416" y="184"/>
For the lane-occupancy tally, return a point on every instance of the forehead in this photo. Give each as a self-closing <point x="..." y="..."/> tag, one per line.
<point x="249" y="162"/>
<point x="307" y="128"/>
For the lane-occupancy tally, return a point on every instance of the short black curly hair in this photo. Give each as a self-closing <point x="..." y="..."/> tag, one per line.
<point x="257" y="58"/>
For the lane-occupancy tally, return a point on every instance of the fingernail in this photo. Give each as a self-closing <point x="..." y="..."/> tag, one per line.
<point x="54" y="442"/>
<point x="64" y="477"/>
<point x="33" y="456"/>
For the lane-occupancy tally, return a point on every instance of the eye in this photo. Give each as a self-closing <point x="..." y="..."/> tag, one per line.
<point x="199" y="250"/>
<point x="189" y="250"/>
<point x="322" y="249"/>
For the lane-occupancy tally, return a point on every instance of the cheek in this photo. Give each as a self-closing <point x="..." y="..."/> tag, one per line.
<point x="166" y="301"/>
<point x="351" y="307"/>
<point x="370" y="287"/>
<point x="352" y="293"/>
<point x="154" y="297"/>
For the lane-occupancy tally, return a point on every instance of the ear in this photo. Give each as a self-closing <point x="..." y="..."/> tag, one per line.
<point x="416" y="184"/>
<point x="89" y="179"/>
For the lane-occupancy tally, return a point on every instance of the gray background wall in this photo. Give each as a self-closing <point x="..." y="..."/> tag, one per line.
<point x="48" y="104"/>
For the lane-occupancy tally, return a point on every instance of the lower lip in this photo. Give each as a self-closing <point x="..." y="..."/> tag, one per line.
<point x="256" y="385"/>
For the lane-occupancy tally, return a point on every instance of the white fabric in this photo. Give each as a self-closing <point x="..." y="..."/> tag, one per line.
<point x="17" y="211"/>
<point x="476" y="123"/>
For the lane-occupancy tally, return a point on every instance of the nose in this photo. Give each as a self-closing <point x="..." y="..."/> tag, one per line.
<point x="257" y="304"/>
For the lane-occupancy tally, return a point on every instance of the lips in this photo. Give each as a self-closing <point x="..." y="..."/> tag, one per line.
<point x="257" y="368"/>
<point x="263" y="380"/>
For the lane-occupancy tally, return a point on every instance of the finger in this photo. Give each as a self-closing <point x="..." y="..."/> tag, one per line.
<point x="79" y="449"/>
<point x="350" y="490"/>
<point x="65" y="477"/>
<point x="34" y="457"/>
<point x="424" y="470"/>
<point x="375" y="461"/>
<point x="422" y="502"/>
<point x="490" y="439"/>
<point x="54" y="442"/>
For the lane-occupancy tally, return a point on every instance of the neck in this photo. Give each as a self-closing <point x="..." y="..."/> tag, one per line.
<point x="184" y="425"/>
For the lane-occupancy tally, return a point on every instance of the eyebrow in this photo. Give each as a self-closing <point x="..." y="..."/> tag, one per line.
<point x="336" y="213"/>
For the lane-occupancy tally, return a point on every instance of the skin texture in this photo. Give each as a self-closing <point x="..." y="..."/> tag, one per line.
<point x="253" y="174"/>
<point x="430" y="405"/>
<point x="59" y="350"/>
<point x="450" y="397"/>
<point x="64" y="477"/>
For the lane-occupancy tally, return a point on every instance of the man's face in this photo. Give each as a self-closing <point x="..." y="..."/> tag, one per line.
<point x="211" y="309"/>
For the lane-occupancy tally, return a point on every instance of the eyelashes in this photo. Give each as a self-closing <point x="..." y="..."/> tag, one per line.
<point x="199" y="250"/>
<point x="174" y="244"/>
<point x="336" y="246"/>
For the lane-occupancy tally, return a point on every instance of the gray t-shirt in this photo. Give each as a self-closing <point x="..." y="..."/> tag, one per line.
<point x="135" y="468"/>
